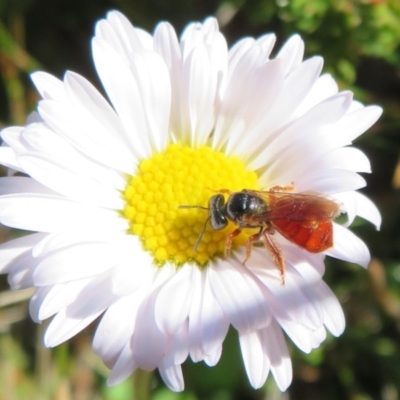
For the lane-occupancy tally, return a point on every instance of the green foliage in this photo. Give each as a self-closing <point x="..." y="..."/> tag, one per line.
<point x="342" y="31"/>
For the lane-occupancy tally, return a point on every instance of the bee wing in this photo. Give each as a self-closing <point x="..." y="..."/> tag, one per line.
<point x="301" y="207"/>
<point x="303" y="218"/>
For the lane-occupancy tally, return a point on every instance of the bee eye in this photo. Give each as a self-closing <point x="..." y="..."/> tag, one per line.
<point x="216" y="206"/>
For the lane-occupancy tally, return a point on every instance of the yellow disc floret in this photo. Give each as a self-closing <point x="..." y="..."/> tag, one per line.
<point x="182" y="175"/>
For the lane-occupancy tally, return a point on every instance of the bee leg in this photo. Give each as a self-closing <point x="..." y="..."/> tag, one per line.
<point x="278" y="188"/>
<point x="229" y="239"/>
<point x="275" y="252"/>
<point x="249" y="244"/>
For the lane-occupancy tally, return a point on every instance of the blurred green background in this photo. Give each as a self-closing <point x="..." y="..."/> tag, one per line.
<point x="360" y="42"/>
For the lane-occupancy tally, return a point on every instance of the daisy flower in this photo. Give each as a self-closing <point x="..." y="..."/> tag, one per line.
<point x="100" y="183"/>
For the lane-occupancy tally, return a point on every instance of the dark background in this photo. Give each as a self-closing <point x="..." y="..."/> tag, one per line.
<point x="359" y="41"/>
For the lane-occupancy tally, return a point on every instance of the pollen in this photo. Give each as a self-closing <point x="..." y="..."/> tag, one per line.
<point x="183" y="176"/>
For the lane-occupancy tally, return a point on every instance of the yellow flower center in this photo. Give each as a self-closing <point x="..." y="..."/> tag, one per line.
<point x="178" y="176"/>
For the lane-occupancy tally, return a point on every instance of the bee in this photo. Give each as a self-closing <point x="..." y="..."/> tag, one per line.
<point x="303" y="218"/>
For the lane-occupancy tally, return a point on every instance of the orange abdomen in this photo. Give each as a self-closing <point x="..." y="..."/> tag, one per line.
<point x="314" y="236"/>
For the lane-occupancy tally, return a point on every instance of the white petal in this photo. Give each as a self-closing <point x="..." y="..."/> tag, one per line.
<point x="167" y="45"/>
<point x="49" y="86"/>
<point x="355" y="203"/>
<point x="179" y="347"/>
<point x="13" y="249"/>
<point x="123" y="90"/>
<point x="172" y="376"/>
<point x="195" y="324"/>
<point x="132" y="38"/>
<point x="210" y="25"/>
<point x="202" y="78"/>
<point x="33" y="118"/>
<point x="349" y="247"/>
<point x="36" y="301"/>
<point x="49" y="213"/>
<point x="288" y="301"/>
<point x="310" y="266"/>
<point x="98" y="115"/>
<point x="329" y="181"/>
<point x="213" y="356"/>
<point x="8" y="158"/>
<point x="197" y="33"/>
<point x="263" y="85"/>
<point x="127" y="277"/>
<point x="130" y="274"/>
<point x="21" y="271"/>
<point x="348" y="203"/>
<point x="154" y="84"/>
<point x="256" y="364"/>
<point x="275" y="349"/>
<point x="61" y="240"/>
<point x="77" y="262"/>
<point x="333" y="313"/>
<point x="356" y="122"/>
<point x="267" y="42"/>
<point x="59" y="297"/>
<point x="47" y="170"/>
<point x="323" y="88"/>
<point x="149" y="344"/>
<point x="44" y="141"/>
<point x="90" y="303"/>
<point x="367" y="209"/>
<point x="348" y="158"/>
<point x="295" y="87"/>
<point x="237" y="51"/>
<point x="208" y="325"/>
<point x="318" y="158"/>
<point x="291" y="53"/>
<point x="124" y="367"/>
<point x="264" y="43"/>
<point x="174" y="300"/>
<point x="12" y="137"/>
<point x="233" y="118"/>
<point x="239" y="295"/>
<point x="20" y="184"/>
<point x="104" y="149"/>
<point x="116" y="328"/>
<point x="106" y="32"/>
<point x="298" y="138"/>
<point x="304" y="338"/>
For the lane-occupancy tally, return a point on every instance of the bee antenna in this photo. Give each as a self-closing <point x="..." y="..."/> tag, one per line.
<point x="191" y="206"/>
<point x="196" y="245"/>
